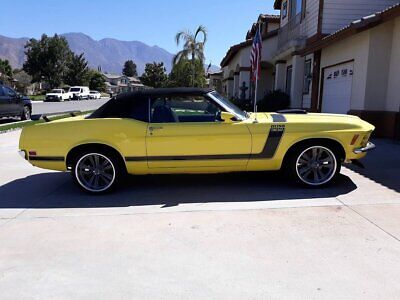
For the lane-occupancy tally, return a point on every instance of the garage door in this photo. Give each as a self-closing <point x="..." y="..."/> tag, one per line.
<point x="337" y="89"/>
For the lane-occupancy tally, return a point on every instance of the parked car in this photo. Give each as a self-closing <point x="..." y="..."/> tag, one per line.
<point x="14" y="105"/>
<point x="94" y="95"/>
<point x="79" y="92"/>
<point x="58" y="95"/>
<point x="190" y="130"/>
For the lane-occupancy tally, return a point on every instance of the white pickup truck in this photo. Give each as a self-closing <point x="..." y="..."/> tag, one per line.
<point x="58" y="95"/>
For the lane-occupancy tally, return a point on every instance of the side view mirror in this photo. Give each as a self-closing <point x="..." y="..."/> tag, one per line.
<point x="227" y="117"/>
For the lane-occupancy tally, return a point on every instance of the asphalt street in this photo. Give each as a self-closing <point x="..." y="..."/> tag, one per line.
<point x="227" y="236"/>
<point x="54" y="107"/>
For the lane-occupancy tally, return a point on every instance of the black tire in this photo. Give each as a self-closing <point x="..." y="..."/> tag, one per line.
<point x="313" y="164"/>
<point x="26" y="113"/>
<point x="97" y="172"/>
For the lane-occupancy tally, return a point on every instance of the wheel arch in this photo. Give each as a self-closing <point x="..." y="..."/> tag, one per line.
<point x="337" y="147"/>
<point x="95" y="147"/>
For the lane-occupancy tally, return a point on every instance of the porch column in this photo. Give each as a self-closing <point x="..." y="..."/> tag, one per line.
<point x="236" y="85"/>
<point x="229" y="83"/>
<point x="296" y="93"/>
<point x="280" y="75"/>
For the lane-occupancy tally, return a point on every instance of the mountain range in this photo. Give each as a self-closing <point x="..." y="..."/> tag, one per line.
<point x="109" y="54"/>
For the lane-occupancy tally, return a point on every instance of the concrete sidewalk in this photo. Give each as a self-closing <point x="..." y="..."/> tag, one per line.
<point x="230" y="236"/>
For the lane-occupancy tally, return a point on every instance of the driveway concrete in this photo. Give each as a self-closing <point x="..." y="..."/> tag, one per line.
<point x="229" y="236"/>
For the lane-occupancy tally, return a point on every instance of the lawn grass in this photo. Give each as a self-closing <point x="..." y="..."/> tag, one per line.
<point x="37" y="97"/>
<point x="19" y="125"/>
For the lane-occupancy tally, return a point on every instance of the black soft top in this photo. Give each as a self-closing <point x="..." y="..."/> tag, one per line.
<point x="164" y="92"/>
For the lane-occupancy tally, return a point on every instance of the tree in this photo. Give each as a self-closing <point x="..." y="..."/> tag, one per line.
<point x="129" y="69"/>
<point x="5" y="69"/>
<point x="96" y="81"/>
<point x="46" y="59"/>
<point x="154" y="75"/>
<point x="23" y="80"/>
<point x="192" y="48"/>
<point x="182" y="74"/>
<point x="77" y="71"/>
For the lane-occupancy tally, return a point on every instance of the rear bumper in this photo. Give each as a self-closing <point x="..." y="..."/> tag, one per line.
<point x="367" y="148"/>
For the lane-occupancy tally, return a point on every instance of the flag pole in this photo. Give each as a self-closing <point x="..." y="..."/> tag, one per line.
<point x="255" y="99"/>
<point x="257" y="76"/>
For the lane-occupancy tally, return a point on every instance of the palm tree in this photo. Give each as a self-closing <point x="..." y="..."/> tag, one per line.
<point x="192" y="48"/>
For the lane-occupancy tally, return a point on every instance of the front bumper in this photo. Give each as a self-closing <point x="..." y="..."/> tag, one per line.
<point x="367" y="148"/>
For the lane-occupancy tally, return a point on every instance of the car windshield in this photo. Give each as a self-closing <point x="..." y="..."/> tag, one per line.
<point x="229" y="106"/>
<point x="56" y="91"/>
<point x="74" y="89"/>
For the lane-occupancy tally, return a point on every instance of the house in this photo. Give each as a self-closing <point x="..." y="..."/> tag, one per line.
<point x="235" y="65"/>
<point x="358" y="71"/>
<point x="334" y="56"/>
<point x="215" y="80"/>
<point x="120" y="83"/>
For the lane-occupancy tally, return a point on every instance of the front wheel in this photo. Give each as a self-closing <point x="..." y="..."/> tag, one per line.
<point x="314" y="165"/>
<point x="26" y="113"/>
<point x="96" y="173"/>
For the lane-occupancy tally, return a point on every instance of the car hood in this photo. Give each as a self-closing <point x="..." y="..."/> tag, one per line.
<point x="324" y="121"/>
<point x="53" y="94"/>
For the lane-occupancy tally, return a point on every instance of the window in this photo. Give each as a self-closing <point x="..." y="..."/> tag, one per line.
<point x="284" y="9"/>
<point x="126" y="108"/>
<point x="9" y="92"/>
<point x="289" y="80"/>
<point x="307" y="77"/>
<point x="1" y="91"/>
<point x="183" y="109"/>
<point x="299" y="5"/>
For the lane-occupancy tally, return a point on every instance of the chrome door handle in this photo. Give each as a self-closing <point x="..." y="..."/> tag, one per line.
<point x="151" y="128"/>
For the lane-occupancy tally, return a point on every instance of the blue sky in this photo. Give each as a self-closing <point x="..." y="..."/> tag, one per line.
<point x="154" y="22"/>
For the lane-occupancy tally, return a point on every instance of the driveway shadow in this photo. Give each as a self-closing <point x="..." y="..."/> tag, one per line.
<point x="56" y="190"/>
<point x="382" y="165"/>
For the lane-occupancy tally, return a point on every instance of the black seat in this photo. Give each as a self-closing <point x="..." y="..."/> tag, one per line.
<point x="163" y="114"/>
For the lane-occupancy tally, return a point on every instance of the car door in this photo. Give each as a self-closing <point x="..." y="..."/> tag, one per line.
<point x="14" y="107"/>
<point x="3" y="102"/>
<point x="184" y="131"/>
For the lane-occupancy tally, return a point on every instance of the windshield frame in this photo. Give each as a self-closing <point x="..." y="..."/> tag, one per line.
<point x="228" y="105"/>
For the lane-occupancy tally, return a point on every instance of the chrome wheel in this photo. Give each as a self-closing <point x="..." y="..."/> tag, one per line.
<point x="95" y="172"/>
<point x="316" y="165"/>
<point x="26" y="114"/>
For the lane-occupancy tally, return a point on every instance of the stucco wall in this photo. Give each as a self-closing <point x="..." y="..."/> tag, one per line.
<point x="380" y="47"/>
<point x="393" y="84"/>
<point x="357" y="48"/>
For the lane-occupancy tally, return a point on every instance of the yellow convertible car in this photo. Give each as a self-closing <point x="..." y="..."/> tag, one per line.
<point x="189" y="130"/>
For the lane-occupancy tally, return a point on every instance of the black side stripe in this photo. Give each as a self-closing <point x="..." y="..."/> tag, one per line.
<point x="271" y="144"/>
<point x="269" y="150"/>
<point x="46" y="158"/>
<point x="189" y="157"/>
<point x="278" y="118"/>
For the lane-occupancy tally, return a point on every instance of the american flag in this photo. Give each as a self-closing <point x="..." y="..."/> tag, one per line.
<point x="255" y="56"/>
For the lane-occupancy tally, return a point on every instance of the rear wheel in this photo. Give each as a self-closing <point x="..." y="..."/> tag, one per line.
<point x="26" y="113"/>
<point x="313" y="165"/>
<point x="97" y="172"/>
